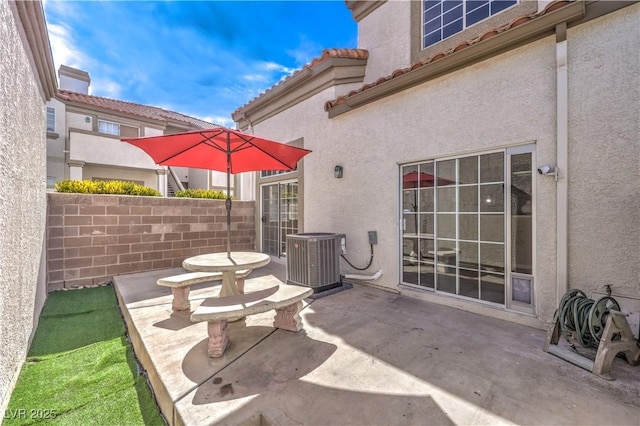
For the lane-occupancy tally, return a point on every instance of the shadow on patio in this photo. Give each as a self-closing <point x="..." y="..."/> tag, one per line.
<point x="365" y="356"/>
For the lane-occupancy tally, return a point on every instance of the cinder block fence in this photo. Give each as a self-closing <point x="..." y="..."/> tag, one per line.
<point x="91" y="238"/>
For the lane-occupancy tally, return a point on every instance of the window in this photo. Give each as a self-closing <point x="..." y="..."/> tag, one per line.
<point x="108" y="127"/>
<point x="269" y="173"/>
<point x="444" y="18"/>
<point x="51" y="119"/>
<point x="467" y="226"/>
<point x="111" y="128"/>
<point x="280" y="216"/>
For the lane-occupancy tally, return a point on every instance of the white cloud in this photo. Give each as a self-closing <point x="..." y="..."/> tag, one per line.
<point x="304" y="52"/>
<point x="220" y="120"/>
<point x="63" y="48"/>
<point x="256" y="77"/>
<point x="272" y="66"/>
<point x="106" y="88"/>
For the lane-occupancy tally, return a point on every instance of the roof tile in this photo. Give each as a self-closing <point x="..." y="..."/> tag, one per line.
<point x="131" y="108"/>
<point x="326" y="55"/>
<point x="460" y="46"/>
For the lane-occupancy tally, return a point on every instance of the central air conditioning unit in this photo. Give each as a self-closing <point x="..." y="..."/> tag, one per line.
<point x="313" y="260"/>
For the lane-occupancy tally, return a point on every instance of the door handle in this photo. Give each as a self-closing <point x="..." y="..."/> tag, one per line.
<point x="264" y="219"/>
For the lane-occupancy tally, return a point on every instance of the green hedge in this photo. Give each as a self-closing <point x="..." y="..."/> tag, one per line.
<point x="202" y="193"/>
<point x="105" y="187"/>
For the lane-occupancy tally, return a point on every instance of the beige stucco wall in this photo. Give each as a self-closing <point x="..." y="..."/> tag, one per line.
<point x="604" y="156"/>
<point x="22" y="201"/>
<point x="79" y="121"/>
<point x="85" y="145"/>
<point x="148" y="177"/>
<point x="504" y="101"/>
<point x="56" y="143"/>
<point x="508" y="100"/>
<point x="97" y="149"/>
<point x="385" y="33"/>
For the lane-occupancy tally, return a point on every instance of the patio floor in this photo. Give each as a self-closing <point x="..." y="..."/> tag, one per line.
<point x="366" y="356"/>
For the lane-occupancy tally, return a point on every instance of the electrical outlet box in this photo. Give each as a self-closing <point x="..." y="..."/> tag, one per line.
<point x="373" y="237"/>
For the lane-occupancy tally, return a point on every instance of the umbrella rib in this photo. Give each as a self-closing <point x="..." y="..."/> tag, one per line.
<point x="244" y="146"/>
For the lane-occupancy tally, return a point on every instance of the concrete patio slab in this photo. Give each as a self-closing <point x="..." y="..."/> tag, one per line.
<point x="365" y="357"/>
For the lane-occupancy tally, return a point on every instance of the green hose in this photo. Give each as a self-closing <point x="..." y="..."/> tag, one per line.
<point x="584" y="318"/>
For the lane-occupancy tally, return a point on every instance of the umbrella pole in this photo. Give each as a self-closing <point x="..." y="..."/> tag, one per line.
<point x="228" y="202"/>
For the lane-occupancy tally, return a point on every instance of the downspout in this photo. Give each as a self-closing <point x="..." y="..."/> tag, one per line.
<point x="562" y="158"/>
<point x="252" y="181"/>
<point x="256" y="195"/>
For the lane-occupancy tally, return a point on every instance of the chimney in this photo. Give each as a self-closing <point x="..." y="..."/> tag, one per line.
<point x="74" y="80"/>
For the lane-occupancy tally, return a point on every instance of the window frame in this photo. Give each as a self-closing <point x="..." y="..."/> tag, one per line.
<point x="109" y="123"/>
<point x="408" y="240"/>
<point x="120" y="127"/>
<point x="463" y="18"/>
<point x="51" y="115"/>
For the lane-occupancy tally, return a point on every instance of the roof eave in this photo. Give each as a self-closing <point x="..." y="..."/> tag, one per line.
<point x="34" y="30"/>
<point x="80" y="107"/>
<point x="536" y="28"/>
<point x="309" y="81"/>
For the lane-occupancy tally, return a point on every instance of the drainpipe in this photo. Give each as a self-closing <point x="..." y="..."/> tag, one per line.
<point x="252" y="177"/>
<point x="562" y="158"/>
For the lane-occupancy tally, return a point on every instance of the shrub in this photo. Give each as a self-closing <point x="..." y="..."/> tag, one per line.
<point x="105" y="187"/>
<point x="202" y="193"/>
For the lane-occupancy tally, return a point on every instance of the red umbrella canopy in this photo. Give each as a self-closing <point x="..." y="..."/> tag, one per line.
<point x="212" y="148"/>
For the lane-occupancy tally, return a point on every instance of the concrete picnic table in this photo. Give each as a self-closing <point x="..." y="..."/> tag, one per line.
<point x="228" y="264"/>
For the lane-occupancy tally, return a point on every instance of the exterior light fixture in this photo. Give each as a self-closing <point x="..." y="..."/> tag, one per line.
<point x="337" y="172"/>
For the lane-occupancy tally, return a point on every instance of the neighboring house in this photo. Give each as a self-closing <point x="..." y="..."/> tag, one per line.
<point x="84" y="132"/>
<point x="27" y="81"/>
<point x="493" y="146"/>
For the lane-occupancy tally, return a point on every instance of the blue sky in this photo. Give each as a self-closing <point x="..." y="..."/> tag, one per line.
<point x="203" y="59"/>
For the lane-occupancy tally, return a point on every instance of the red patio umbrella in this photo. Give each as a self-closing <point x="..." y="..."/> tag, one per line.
<point x="222" y="149"/>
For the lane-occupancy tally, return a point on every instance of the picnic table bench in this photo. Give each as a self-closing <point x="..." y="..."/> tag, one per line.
<point x="181" y="285"/>
<point x="285" y="299"/>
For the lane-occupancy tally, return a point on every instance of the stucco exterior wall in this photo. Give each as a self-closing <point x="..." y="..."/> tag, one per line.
<point x="107" y="151"/>
<point x="505" y="101"/>
<point x="604" y="156"/>
<point x="79" y="121"/>
<point x="56" y="143"/>
<point x="147" y="177"/>
<point x="386" y="34"/>
<point x="22" y="201"/>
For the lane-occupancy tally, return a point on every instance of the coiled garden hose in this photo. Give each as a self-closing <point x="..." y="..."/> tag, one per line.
<point x="584" y="318"/>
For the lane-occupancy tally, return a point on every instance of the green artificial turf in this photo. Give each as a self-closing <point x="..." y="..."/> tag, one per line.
<point x="81" y="369"/>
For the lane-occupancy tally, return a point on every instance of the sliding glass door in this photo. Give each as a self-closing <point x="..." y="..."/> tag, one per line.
<point x="466" y="225"/>
<point x="279" y="216"/>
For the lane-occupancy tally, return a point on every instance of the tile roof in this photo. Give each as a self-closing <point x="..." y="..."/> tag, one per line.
<point x="326" y="55"/>
<point x="130" y="108"/>
<point x="460" y="46"/>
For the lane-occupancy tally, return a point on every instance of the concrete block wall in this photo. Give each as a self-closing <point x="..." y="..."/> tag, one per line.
<point x="91" y="238"/>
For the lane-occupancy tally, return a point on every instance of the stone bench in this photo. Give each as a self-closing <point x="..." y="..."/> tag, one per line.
<point x="285" y="299"/>
<point x="181" y="285"/>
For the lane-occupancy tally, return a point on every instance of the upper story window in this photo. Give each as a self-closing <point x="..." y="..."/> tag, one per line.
<point x="51" y="119"/>
<point x="268" y="173"/>
<point x="108" y="127"/>
<point x="111" y="128"/>
<point x="444" y="18"/>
